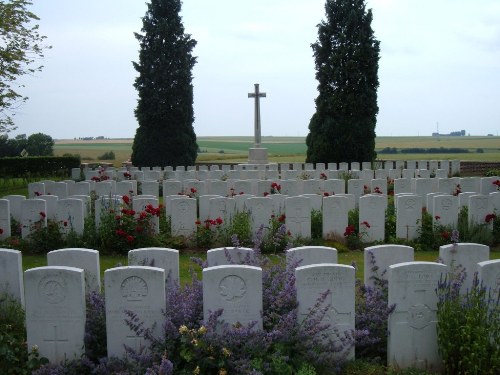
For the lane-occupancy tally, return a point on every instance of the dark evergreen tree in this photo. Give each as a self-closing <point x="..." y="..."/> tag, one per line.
<point x="346" y="57"/>
<point x="165" y="135"/>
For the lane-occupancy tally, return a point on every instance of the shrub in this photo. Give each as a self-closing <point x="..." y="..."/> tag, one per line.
<point x="107" y="156"/>
<point x="468" y="328"/>
<point x="14" y="355"/>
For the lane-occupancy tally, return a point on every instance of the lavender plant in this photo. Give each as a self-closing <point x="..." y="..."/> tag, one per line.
<point x="372" y="313"/>
<point x="468" y="327"/>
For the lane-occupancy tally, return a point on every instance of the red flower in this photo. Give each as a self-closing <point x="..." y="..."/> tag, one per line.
<point x="42" y="214"/>
<point x="1" y="231"/>
<point x="490" y="217"/>
<point x="118" y="217"/>
<point x="326" y="194"/>
<point x="139" y="229"/>
<point x="126" y="199"/>
<point x="437" y="217"/>
<point x="289" y="233"/>
<point x="218" y="221"/>
<point x="197" y="222"/>
<point x="273" y="185"/>
<point x="121" y="233"/>
<point x="130" y="239"/>
<point x="266" y="194"/>
<point x="65" y="223"/>
<point x="323" y="176"/>
<point x="445" y="235"/>
<point x="193" y="190"/>
<point x="350" y="229"/>
<point x="37" y="193"/>
<point x="282" y="218"/>
<point x="497" y="183"/>
<point x="366" y="224"/>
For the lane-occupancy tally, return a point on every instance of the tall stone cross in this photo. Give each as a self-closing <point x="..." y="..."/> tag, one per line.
<point x="257" y="95"/>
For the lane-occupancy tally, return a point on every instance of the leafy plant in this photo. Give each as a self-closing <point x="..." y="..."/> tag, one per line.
<point x="468" y="328"/>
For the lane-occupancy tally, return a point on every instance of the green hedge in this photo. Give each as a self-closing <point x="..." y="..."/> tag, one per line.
<point x="38" y="166"/>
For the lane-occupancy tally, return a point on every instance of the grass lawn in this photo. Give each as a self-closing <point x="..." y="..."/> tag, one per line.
<point x="185" y="263"/>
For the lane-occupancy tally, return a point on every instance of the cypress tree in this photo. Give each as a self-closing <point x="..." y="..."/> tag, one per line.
<point x="165" y="135"/>
<point x="346" y="57"/>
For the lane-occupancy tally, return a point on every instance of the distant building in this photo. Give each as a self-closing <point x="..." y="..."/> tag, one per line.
<point x="460" y="133"/>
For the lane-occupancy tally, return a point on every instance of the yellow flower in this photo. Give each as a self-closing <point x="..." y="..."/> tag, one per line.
<point x="183" y="329"/>
<point x="226" y="352"/>
<point x="202" y="330"/>
<point x="196" y="371"/>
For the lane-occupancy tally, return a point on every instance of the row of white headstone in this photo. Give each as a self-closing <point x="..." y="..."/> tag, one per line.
<point x="184" y="212"/>
<point x="261" y="187"/>
<point x="54" y="296"/>
<point x="272" y="171"/>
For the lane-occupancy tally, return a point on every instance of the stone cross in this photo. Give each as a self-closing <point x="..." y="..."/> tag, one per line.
<point x="257" y="95"/>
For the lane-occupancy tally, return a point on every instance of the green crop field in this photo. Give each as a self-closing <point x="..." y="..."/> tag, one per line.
<point x="293" y="149"/>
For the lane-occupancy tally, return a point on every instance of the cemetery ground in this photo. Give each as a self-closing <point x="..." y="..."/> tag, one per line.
<point x="287" y="350"/>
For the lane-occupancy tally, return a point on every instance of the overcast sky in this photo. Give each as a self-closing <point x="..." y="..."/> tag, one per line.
<point x="439" y="66"/>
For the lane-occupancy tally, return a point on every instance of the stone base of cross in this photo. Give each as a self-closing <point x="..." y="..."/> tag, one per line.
<point x="257" y="156"/>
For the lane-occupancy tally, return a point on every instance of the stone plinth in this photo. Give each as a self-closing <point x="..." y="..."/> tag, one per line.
<point x="257" y="156"/>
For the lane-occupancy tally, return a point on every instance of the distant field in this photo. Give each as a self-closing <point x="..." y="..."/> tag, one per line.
<point x="290" y="149"/>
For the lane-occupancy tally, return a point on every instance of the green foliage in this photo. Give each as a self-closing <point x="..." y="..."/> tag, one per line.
<point x="346" y="56"/>
<point x="165" y="135"/>
<point x="316" y="224"/>
<point x="468" y="328"/>
<point x="42" y="166"/>
<point x="21" y="46"/>
<point x="493" y="173"/>
<point x="40" y="144"/>
<point x="14" y="355"/>
<point x="107" y="156"/>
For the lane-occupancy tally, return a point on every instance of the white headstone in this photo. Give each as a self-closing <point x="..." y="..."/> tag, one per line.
<point x="312" y="281"/>
<point x="334" y="186"/>
<point x="260" y="210"/>
<point x="81" y="188"/>
<point x="161" y="257"/>
<point x="35" y="189"/>
<point x="308" y="255"/>
<point x="87" y="259"/>
<point x="377" y="260"/>
<point x="372" y="217"/>
<point x="11" y="275"/>
<point x="104" y="188"/>
<point x="70" y="214"/>
<point x="172" y="187"/>
<point x="445" y="210"/>
<point x="237" y="289"/>
<point x="470" y="184"/>
<point x="150" y="188"/>
<point x="183" y="217"/>
<point x="479" y="207"/>
<point x="464" y="256"/>
<point x="15" y="202"/>
<point x="222" y="207"/>
<point x="229" y="255"/>
<point x="140" y="290"/>
<point x="488" y="272"/>
<point x="412" y="325"/>
<point x="335" y="216"/>
<point x="55" y="311"/>
<point x="5" y="230"/>
<point x="33" y="216"/>
<point x="408" y="216"/>
<point x="204" y="206"/>
<point x="298" y="216"/>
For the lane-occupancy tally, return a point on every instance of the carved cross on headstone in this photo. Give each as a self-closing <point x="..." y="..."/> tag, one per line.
<point x="57" y="341"/>
<point x="257" y="95"/>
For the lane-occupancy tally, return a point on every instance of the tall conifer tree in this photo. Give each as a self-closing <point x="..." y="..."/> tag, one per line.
<point x="346" y="57"/>
<point x="165" y="135"/>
